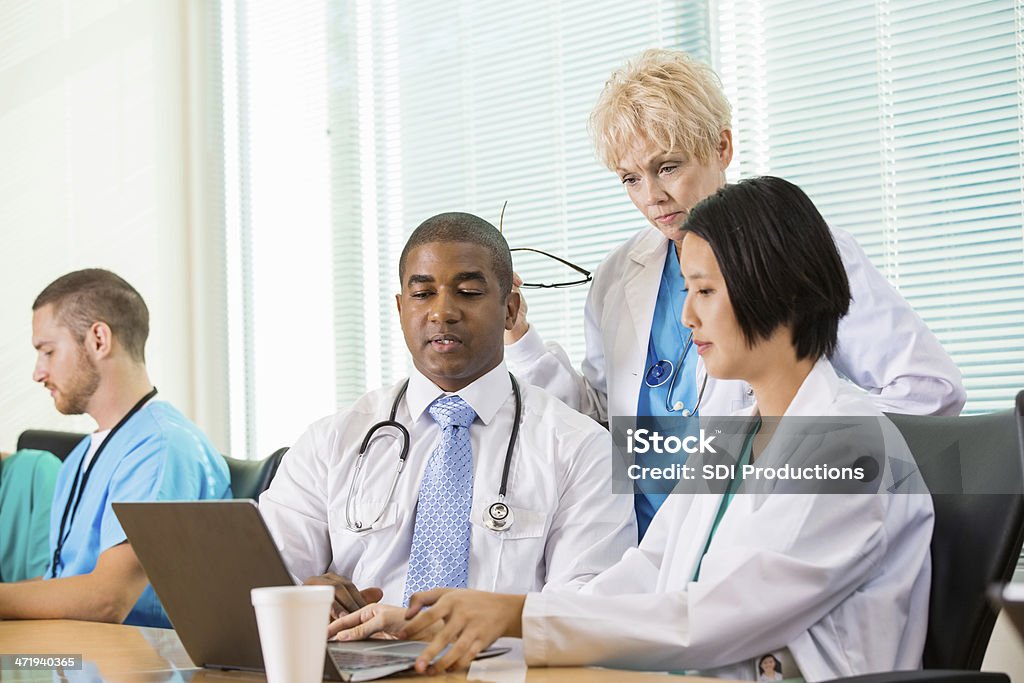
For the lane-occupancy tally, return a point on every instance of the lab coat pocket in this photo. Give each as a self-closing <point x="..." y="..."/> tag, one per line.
<point x="365" y="557"/>
<point x="515" y="556"/>
<point x="364" y="515"/>
<point x="525" y="523"/>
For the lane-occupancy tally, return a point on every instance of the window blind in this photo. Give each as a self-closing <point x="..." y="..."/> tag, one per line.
<point x="460" y="107"/>
<point x="902" y="120"/>
<point x="346" y="124"/>
<point x="277" y="199"/>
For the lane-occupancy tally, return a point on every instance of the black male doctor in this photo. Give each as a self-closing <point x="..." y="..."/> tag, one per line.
<point x="447" y="514"/>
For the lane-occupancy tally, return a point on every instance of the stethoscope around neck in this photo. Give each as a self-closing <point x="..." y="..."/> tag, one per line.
<point x="665" y="371"/>
<point x="498" y="516"/>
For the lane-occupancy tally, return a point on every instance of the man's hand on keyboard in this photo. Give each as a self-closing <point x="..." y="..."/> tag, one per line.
<point x="347" y="598"/>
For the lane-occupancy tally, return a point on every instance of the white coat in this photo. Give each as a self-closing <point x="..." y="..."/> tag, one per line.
<point x="567" y="525"/>
<point x="842" y="581"/>
<point x="884" y="346"/>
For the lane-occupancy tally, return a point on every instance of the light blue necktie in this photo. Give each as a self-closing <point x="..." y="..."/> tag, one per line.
<point x="440" y="539"/>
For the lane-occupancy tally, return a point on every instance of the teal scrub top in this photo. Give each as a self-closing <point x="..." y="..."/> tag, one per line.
<point x="158" y="454"/>
<point x="27" y="479"/>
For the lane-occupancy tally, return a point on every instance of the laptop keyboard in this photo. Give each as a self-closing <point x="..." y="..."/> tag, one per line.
<point x="355" y="661"/>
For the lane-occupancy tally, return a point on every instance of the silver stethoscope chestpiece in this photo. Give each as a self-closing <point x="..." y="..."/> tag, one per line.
<point x="498" y="517"/>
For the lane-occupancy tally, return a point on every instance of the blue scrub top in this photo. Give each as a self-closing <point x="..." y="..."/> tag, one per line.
<point x="158" y="454"/>
<point x="666" y="342"/>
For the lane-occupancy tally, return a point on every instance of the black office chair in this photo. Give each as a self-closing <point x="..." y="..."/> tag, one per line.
<point x="250" y="478"/>
<point x="59" y="443"/>
<point x="974" y="467"/>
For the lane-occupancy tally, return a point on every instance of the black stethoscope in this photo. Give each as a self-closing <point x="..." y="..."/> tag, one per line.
<point x="498" y="516"/>
<point x="61" y="536"/>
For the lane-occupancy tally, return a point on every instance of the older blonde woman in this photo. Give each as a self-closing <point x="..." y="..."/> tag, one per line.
<point x="663" y="126"/>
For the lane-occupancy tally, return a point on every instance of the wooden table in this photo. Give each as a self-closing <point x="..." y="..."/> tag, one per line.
<point x="135" y="655"/>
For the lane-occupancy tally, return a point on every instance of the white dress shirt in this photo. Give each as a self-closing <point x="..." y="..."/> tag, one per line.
<point x="568" y="526"/>
<point x="842" y="581"/>
<point x="884" y="346"/>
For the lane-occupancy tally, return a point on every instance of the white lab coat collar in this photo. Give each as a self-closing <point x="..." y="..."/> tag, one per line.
<point x="649" y="254"/>
<point x="485" y="396"/>
<point x="818" y="390"/>
<point x="651" y="243"/>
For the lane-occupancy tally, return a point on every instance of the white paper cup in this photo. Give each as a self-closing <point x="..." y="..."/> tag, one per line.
<point x="292" y="621"/>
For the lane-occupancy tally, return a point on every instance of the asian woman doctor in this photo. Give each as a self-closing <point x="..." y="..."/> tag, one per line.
<point x="834" y="585"/>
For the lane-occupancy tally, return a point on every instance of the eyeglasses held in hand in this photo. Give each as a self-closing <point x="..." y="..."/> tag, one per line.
<point x="553" y="285"/>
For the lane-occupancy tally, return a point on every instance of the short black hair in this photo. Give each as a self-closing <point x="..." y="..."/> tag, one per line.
<point x="84" y="297"/>
<point x="463" y="227"/>
<point x="779" y="261"/>
<point x="778" y="664"/>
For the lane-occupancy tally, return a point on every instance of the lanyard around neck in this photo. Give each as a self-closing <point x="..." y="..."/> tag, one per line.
<point x="746" y="455"/>
<point x="73" y="509"/>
